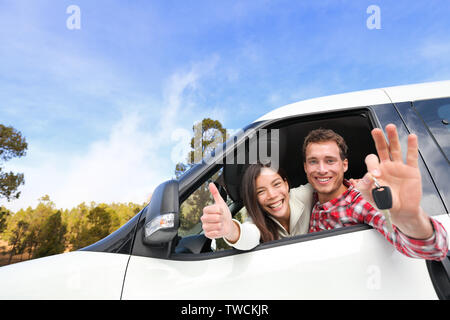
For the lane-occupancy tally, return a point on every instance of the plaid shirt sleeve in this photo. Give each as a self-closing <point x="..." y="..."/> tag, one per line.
<point x="434" y="248"/>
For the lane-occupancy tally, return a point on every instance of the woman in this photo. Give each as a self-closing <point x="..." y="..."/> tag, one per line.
<point x="274" y="211"/>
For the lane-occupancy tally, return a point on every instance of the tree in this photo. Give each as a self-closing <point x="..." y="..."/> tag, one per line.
<point x="12" y="144"/>
<point x="51" y="236"/>
<point x="75" y="219"/>
<point x="96" y="225"/>
<point x="15" y="235"/>
<point x="4" y="214"/>
<point x="206" y="136"/>
<point x="37" y="219"/>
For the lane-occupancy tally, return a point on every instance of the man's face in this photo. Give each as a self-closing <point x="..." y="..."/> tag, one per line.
<point x="325" y="169"/>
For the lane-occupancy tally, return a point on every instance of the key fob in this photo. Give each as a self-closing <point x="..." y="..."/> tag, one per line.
<point x="383" y="197"/>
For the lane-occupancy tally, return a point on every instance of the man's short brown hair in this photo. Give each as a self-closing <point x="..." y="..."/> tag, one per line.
<point x="324" y="135"/>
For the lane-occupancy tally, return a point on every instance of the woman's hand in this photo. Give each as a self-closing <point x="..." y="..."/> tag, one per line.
<point x="216" y="219"/>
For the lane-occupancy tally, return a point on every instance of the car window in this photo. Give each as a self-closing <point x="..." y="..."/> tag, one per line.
<point x="436" y="115"/>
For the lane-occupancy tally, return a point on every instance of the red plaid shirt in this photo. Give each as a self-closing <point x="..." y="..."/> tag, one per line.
<point x="351" y="208"/>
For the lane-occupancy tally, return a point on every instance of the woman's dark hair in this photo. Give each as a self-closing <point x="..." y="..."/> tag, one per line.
<point x="267" y="227"/>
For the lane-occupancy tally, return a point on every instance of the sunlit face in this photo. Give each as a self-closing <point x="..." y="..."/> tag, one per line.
<point x="272" y="193"/>
<point x="325" y="169"/>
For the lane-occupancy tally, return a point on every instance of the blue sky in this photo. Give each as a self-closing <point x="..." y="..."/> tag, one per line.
<point x="103" y="107"/>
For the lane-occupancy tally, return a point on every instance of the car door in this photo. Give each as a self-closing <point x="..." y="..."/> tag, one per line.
<point x="429" y="120"/>
<point x="348" y="263"/>
<point x="359" y="264"/>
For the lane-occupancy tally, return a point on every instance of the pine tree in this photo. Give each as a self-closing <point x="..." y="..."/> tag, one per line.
<point x="51" y="236"/>
<point x="12" y="144"/>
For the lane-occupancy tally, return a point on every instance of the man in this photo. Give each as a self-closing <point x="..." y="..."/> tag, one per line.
<point x="338" y="203"/>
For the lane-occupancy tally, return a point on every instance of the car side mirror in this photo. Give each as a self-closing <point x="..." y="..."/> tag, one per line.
<point x="162" y="214"/>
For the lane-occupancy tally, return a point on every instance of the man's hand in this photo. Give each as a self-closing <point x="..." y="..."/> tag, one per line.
<point x="403" y="178"/>
<point x="216" y="219"/>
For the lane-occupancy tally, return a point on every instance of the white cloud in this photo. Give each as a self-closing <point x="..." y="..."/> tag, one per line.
<point x="434" y="54"/>
<point x="435" y="49"/>
<point x="124" y="166"/>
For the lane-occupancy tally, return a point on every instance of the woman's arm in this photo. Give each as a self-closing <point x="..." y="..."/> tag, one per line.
<point x="249" y="235"/>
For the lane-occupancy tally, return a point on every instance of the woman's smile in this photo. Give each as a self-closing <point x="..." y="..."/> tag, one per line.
<point x="273" y="193"/>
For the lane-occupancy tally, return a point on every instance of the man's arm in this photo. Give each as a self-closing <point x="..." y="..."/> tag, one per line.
<point x="433" y="248"/>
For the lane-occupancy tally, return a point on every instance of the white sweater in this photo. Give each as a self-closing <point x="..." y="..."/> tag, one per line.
<point x="300" y="203"/>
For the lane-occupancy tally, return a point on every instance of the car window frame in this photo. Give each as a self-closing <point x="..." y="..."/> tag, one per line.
<point x="374" y="122"/>
<point x="429" y="125"/>
<point x="396" y="117"/>
<point x="415" y="124"/>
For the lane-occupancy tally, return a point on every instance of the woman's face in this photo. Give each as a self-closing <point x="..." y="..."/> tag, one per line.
<point x="272" y="193"/>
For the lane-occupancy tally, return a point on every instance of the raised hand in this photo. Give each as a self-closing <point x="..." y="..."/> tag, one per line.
<point x="403" y="178"/>
<point x="216" y="219"/>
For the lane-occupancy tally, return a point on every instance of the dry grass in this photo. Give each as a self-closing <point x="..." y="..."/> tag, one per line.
<point x="5" y="252"/>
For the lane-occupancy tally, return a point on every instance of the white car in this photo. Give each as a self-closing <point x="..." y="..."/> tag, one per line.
<point x="161" y="253"/>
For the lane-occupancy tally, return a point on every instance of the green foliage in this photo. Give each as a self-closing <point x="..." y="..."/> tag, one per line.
<point x="16" y="233"/>
<point x="96" y="226"/>
<point x="45" y="230"/>
<point x="12" y="144"/>
<point x="4" y="214"/>
<point x="9" y="182"/>
<point x="51" y="236"/>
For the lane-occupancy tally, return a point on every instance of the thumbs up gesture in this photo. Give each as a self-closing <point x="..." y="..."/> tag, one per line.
<point x="216" y="219"/>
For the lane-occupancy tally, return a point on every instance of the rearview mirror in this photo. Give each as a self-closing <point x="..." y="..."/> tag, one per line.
<point x="162" y="214"/>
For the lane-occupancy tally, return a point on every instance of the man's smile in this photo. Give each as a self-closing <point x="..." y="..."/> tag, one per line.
<point x="323" y="180"/>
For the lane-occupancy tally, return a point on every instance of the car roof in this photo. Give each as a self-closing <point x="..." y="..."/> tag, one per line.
<point x="412" y="92"/>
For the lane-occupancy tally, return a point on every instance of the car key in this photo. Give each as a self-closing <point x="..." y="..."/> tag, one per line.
<point x="383" y="199"/>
